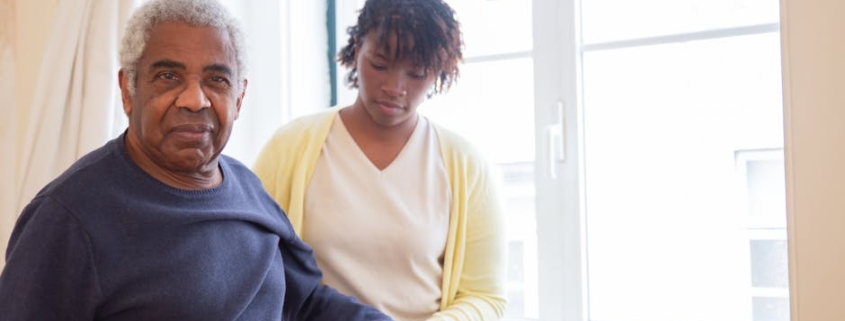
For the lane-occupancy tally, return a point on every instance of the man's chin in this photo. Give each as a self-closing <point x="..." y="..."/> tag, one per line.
<point x="192" y="159"/>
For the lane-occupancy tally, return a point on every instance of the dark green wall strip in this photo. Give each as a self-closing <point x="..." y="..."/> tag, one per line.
<point x="331" y="23"/>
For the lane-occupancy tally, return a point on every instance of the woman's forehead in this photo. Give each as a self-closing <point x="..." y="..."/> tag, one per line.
<point x="390" y="45"/>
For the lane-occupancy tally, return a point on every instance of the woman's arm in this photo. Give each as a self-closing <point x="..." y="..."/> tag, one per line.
<point x="481" y="293"/>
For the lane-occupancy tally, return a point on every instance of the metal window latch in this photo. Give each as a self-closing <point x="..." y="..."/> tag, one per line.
<point x="556" y="141"/>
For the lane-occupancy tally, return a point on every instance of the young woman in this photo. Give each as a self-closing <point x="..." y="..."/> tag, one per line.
<point x="401" y="212"/>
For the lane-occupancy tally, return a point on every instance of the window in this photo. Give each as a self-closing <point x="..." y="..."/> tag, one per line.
<point x="640" y="144"/>
<point x="761" y="172"/>
<point x="670" y="95"/>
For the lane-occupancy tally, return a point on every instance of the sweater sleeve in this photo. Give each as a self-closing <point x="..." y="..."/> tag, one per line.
<point x="49" y="272"/>
<point x="481" y="290"/>
<point x="307" y="298"/>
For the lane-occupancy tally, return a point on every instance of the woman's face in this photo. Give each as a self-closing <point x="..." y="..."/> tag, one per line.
<point x="390" y="89"/>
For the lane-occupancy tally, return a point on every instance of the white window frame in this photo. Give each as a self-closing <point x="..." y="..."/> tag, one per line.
<point x="762" y="230"/>
<point x="559" y="179"/>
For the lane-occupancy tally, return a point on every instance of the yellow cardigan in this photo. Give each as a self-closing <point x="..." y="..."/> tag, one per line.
<point x="474" y="267"/>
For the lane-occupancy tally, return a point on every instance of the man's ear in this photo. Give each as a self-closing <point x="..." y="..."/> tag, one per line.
<point x="125" y="96"/>
<point x="241" y="98"/>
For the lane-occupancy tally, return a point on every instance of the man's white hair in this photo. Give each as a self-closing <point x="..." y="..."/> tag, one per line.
<point x="195" y="12"/>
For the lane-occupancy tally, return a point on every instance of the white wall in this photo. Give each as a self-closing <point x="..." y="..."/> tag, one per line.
<point x="813" y="34"/>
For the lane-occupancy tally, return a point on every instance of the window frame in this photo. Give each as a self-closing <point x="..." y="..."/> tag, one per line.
<point x="560" y="200"/>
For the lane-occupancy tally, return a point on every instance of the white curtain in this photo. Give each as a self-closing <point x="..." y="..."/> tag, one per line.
<point x="8" y="123"/>
<point x="77" y="101"/>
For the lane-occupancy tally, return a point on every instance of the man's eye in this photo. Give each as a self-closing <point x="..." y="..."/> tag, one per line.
<point x="219" y="82"/>
<point x="167" y="76"/>
<point x="377" y="66"/>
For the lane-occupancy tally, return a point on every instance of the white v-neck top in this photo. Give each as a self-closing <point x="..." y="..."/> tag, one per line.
<point x="379" y="235"/>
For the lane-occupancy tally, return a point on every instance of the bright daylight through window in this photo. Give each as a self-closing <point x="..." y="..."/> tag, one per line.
<point x="674" y="131"/>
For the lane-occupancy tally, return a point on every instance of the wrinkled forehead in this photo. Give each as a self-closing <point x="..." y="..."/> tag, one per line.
<point x="183" y="42"/>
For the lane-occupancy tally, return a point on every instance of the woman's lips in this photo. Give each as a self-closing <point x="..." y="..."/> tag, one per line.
<point x="390" y="109"/>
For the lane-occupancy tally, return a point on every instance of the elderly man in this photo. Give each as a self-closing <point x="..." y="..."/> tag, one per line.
<point x="157" y="224"/>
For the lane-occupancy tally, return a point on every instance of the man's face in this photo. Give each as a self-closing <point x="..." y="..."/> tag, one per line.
<point x="186" y="100"/>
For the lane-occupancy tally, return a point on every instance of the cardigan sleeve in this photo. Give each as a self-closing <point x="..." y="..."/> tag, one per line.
<point x="481" y="288"/>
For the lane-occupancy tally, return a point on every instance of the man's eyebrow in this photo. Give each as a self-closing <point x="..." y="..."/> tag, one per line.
<point x="171" y="64"/>
<point x="167" y="64"/>
<point x="221" y="68"/>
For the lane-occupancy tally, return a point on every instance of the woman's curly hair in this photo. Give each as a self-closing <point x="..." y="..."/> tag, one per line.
<point x="430" y="27"/>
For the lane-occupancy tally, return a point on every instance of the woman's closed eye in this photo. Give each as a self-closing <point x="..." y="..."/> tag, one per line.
<point x="378" y="66"/>
<point x="418" y="75"/>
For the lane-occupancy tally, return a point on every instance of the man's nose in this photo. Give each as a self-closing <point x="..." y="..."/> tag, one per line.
<point x="193" y="97"/>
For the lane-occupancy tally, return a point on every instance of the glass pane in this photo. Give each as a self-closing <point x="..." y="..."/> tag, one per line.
<point x="766" y="193"/>
<point x="481" y="23"/>
<point x="483" y="30"/>
<point x="771" y="309"/>
<point x="611" y="20"/>
<point x="667" y="215"/>
<point x="501" y="125"/>
<point x="769" y="264"/>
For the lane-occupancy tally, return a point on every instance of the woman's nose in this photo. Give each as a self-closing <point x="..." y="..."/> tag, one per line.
<point x="394" y="86"/>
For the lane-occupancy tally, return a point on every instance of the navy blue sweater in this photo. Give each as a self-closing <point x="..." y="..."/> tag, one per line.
<point x="107" y="241"/>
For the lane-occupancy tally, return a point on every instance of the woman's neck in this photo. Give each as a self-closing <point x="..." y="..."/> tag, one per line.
<point x="362" y="127"/>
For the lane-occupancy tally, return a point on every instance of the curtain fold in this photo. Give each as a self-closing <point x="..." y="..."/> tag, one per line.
<point x="8" y="123"/>
<point x="76" y="94"/>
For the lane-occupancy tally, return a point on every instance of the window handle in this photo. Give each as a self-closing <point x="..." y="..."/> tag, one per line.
<point x="556" y="141"/>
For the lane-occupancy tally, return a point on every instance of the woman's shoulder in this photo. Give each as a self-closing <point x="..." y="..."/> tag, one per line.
<point x="454" y="144"/>
<point x="454" y="141"/>
<point x="298" y="133"/>
<point x="308" y="123"/>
